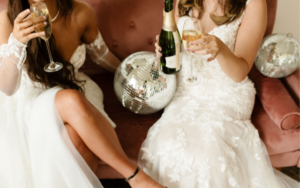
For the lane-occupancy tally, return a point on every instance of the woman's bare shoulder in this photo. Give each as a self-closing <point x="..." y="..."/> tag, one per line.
<point x="86" y="19"/>
<point x="83" y="11"/>
<point x="5" y="27"/>
<point x="256" y="11"/>
<point x="83" y="15"/>
<point x="256" y="6"/>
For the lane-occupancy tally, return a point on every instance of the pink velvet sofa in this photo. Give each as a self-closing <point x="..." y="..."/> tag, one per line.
<point x="129" y="26"/>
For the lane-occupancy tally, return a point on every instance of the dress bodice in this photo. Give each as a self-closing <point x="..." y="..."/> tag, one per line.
<point x="77" y="60"/>
<point x="78" y="57"/>
<point x="97" y="50"/>
<point x="227" y="33"/>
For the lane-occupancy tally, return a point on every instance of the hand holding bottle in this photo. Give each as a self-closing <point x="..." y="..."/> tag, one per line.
<point x="24" y="27"/>
<point x="157" y="47"/>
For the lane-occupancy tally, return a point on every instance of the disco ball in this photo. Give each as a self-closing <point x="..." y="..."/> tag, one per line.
<point x="278" y="55"/>
<point x="141" y="86"/>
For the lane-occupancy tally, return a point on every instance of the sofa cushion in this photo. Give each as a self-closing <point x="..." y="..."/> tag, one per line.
<point x="3" y="5"/>
<point x="286" y="159"/>
<point x="276" y="100"/>
<point x="275" y="139"/>
<point x="292" y="83"/>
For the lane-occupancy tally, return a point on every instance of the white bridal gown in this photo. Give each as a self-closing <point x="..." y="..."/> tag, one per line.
<point x="205" y="138"/>
<point x="35" y="149"/>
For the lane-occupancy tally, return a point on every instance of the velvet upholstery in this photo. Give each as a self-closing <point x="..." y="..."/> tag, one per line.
<point x="126" y="26"/>
<point x="129" y="26"/>
<point x="271" y="9"/>
<point x="280" y="106"/>
<point x="286" y="159"/>
<point x="293" y="85"/>
<point x="277" y="141"/>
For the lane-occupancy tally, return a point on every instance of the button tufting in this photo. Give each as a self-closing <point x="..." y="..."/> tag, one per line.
<point x="132" y="24"/>
<point x="115" y="43"/>
<point x="150" y="41"/>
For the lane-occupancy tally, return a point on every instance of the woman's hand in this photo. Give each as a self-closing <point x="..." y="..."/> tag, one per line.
<point x="25" y="27"/>
<point x="157" y="47"/>
<point x="208" y="44"/>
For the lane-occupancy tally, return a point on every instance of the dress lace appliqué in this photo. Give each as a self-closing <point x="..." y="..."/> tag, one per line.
<point x="13" y="48"/>
<point x="98" y="52"/>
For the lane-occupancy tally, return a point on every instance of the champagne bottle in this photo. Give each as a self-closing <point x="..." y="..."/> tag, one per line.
<point x="170" y="42"/>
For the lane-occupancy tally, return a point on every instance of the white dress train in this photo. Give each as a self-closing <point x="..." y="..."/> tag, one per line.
<point x="35" y="148"/>
<point x="205" y="138"/>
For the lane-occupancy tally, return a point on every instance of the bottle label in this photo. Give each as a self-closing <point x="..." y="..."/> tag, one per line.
<point x="169" y="23"/>
<point x="178" y="51"/>
<point x="171" y="62"/>
<point x="174" y="62"/>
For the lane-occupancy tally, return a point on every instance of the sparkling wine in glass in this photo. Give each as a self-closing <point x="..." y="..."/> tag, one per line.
<point x="37" y="10"/>
<point x="191" y="31"/>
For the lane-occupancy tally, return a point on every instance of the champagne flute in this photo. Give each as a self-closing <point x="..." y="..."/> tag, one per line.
<point x="40" y="9"/>
<point x="191" y="31"/>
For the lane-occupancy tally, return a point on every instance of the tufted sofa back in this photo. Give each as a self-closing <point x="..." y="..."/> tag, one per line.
<point x="129" y="26"/>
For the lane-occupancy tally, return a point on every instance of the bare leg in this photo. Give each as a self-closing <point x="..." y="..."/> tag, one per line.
<point x="90" y="158"/>
<point x="98" y="135"/>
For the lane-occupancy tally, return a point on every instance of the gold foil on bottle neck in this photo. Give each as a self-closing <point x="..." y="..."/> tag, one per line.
<point x="169" y="23"/>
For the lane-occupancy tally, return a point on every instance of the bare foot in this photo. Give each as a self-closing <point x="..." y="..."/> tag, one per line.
<point x="142" y="180"/>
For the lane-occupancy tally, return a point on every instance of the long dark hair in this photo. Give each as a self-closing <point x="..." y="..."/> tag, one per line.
<point x="233" y="9"/>
<point x="37" y="54"/>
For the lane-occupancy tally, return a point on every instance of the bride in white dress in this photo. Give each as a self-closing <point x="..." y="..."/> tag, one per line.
<point x="51" y="135"/>
<point x="205" y="138"/>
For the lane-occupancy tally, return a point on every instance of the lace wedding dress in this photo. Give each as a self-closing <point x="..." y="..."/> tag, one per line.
<point x="35" y="149"/>
<point x="205" y="138"/>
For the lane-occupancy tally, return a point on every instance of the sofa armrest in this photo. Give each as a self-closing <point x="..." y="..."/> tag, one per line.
<point x="276" y="100"/>
<point x="292" y="83"/>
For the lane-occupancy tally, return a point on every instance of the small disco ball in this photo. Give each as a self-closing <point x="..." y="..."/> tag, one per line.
<point x="278" y="55"/>
<point x="141" y="86"/>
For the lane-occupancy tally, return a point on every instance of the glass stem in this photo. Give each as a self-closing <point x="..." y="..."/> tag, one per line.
<point x="192" y="76"/>
<point x="49" y="52"/>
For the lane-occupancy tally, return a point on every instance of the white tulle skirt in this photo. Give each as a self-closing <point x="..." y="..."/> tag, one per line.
<point x="35" y="149"/>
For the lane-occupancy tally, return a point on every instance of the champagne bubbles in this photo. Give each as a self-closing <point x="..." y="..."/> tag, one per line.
<point x="141" y="86"/>
<point x="278" y="56"/>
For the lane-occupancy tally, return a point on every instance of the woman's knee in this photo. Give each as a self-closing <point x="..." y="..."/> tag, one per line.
<point x="69" y="97"/>
<point x="70" y="102"/>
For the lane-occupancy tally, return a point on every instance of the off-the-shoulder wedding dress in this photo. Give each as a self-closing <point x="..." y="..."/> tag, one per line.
<point x="205" y="138"/>
<point x="35" y="149"/>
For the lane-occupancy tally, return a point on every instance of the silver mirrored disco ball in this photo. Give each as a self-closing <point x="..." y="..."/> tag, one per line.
<point x="140" y="85"/>
<point x="278" y="55"/>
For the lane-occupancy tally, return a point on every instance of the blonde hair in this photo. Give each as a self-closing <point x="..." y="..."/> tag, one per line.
<point x="233" y="9"/>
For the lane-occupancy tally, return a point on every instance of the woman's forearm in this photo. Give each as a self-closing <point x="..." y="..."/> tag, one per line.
<point x="9" y="77"/>
<point x="234" y="67"/>
<point x="12" y="58"/>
